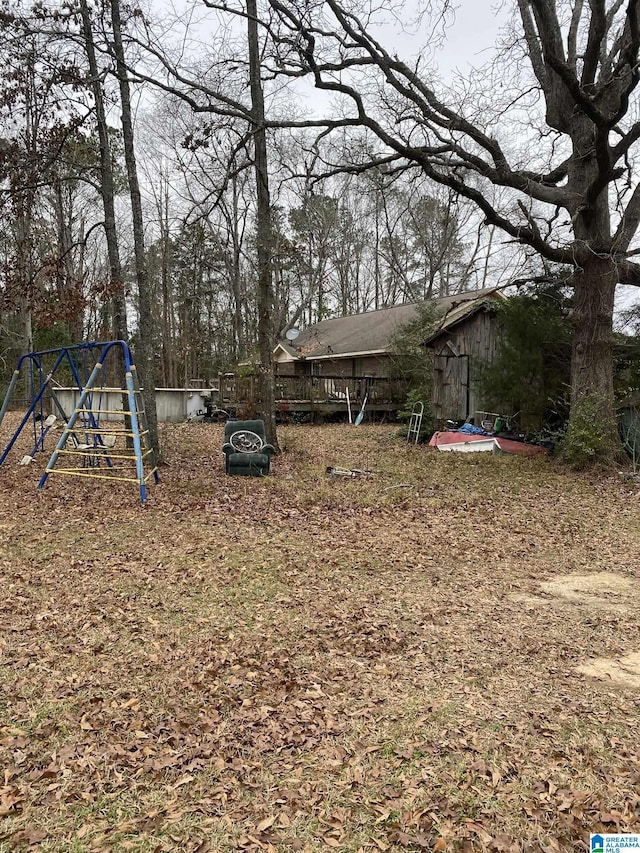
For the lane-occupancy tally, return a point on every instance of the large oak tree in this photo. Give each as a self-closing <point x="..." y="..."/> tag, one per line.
<point x="567" y="88"/>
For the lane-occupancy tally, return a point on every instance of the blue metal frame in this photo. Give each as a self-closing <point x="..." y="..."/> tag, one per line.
<point x="86" y="386"/>
<point x="35" y="410"/>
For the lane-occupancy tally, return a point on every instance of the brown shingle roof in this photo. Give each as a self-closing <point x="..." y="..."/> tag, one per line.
<point x="462" y="311"/>
<point x="368" y="333"/>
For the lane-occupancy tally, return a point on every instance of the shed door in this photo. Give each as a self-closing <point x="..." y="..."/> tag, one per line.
<point x="451" y="386"/>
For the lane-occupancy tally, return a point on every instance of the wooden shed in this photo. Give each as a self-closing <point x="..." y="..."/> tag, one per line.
<point x="466" y="339"/>
<point x="361" y="344"/>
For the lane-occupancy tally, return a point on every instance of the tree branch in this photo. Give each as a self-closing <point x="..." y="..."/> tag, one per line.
<point x="629" y="273"/>
<point x="550" y="37"/>
<point x="597" y="33"/>
<point x="629" y="223"/>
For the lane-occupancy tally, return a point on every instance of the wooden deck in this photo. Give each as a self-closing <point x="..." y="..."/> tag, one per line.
<point x="317" y="396"/>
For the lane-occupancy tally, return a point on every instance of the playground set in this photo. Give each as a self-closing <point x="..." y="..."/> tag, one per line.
<point x="100" y="438"/>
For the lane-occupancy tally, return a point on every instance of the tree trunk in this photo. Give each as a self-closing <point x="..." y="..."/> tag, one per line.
<point x="266" y="385"/>
<point x="166" y="285"/>
<point x="146" y="327"/>
<point x="107" y="190"/>
<point x="592" y="433"/>
<point x="26" y="324"/>
<point x="69" y="280"/>
<point x="24" y="275"/>
<point x="116" y="313"/>
<point x="236" y="278"/>
<point x="592" y="423"/>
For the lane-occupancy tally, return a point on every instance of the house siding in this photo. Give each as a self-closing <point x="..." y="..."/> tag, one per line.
<point x="288" y="368"/>
<point x="376" y="366"/>
<point x="459" y="355"/>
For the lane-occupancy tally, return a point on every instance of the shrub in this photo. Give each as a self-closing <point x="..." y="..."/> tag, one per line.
<point x="530" y="373"/>
<point x="412" y="361"/>
<point x="587" y="436"/>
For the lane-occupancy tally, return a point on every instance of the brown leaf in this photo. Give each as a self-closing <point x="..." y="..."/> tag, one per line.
<point x="609" y="817"/>
<point x="166" y="761"/>
<point x="265" y="824"/>
<point x="28" y="835"/>
<point x="183" y="781"/>
<point x="479" y="830"/>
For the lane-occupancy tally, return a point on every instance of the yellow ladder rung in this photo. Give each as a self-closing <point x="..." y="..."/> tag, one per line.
<point x="78" y="473"/>
<point x="92" y="450"/>
<point x="103" y="412"/>
<point x="93" y="431"/>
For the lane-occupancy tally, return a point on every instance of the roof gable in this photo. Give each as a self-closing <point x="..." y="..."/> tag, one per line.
<point x="364" y="334"/>
<point x="463" y="312"/>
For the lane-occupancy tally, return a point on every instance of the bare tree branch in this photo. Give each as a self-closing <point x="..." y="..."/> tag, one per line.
<point x="628" y="224"/>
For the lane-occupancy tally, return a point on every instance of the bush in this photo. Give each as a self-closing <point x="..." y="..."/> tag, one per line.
<point x="587" y="436"/>
<point x="530" y="373"/>
<point x="412" y="361"/>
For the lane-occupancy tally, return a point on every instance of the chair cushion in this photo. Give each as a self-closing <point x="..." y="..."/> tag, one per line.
<point x="256" y="426"/>
<point x="253" y="460"/>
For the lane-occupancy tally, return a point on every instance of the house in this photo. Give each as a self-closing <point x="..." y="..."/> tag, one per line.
<point x="467" y="337"/>
<point x="338" y="365"/>
<point x="356" y="345"/>
<point x="360" y="345"/>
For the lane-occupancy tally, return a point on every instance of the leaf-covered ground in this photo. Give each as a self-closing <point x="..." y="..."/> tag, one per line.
<point x="300" y="664"/>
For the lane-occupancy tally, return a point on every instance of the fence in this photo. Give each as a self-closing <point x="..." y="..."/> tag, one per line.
<point x="317" y="389"/>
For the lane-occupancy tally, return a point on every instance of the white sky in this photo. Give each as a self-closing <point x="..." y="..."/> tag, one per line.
<point x="469" y="41"/>
<point x="472" y="37"/>
<point x="471" y="34"/>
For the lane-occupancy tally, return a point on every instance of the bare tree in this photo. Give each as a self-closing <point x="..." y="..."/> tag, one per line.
<point x="107" y="182"/>
<point x="146" y="330"/>
<point x="574" y="197"/>
<point x="30" y="113"/>
<point x="263" y="230"/>
<point x="215" y="94"/>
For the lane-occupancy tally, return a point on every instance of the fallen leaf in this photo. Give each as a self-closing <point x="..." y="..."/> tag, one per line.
<point x="265" y="824"/>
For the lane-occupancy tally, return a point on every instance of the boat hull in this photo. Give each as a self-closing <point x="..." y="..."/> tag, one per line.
<point x="459" y="441"/>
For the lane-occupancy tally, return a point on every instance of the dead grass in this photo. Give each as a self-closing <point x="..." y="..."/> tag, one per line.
<point x="300" y="663"/>
<point x="624" y="671"/>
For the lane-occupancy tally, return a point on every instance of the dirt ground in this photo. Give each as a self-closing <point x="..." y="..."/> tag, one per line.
<point x="444" y="655"/>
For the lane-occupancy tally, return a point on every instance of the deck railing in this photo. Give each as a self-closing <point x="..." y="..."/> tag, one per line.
<point x="321" y="389"/>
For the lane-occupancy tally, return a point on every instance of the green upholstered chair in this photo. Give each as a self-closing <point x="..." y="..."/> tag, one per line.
<point x="246" y="452"/>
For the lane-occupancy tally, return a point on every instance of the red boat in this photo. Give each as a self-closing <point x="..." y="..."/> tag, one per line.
<point x="460" y="441"/>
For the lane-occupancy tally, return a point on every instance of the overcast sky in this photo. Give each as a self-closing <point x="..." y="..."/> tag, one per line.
<point x="472" y="38"/>
<point x="471" y="34"/>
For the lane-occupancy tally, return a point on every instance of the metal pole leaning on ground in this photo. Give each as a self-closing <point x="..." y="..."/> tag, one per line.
<point x="74" y="417"/>
<point x="9" y="394"/>
<point x="34" y="402"/>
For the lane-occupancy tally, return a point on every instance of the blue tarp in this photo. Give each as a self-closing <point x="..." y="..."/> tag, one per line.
<point x="470" y="429"/>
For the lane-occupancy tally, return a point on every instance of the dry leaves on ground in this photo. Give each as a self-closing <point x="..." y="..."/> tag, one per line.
<point x="306" y="663"/>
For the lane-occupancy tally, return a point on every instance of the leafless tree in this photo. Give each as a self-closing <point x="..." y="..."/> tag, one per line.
<point x="263" y="230"/>
<point x="573" y="198"/>
<point x="147" y="329"/>
<point x="216" y="94"/>
<point x="107" y="182"/>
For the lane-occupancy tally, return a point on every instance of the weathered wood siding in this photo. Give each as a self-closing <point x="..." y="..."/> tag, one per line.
<point x="371" y="365"/>
<point x="459" y="355"/>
